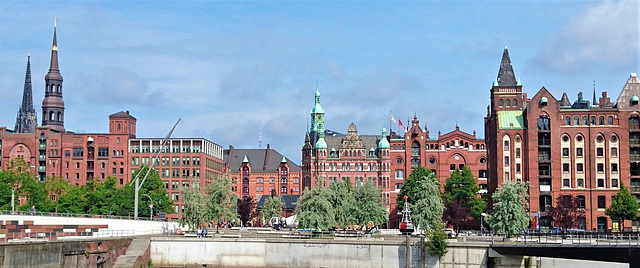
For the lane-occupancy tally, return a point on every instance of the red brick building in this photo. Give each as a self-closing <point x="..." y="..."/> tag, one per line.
<point x="194" y="162"/>
<point x="259" y="172"/>
<point x="451" y="151"/>
<point x="585" y="149"/>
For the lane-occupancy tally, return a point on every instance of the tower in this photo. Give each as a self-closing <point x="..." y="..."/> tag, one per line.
<point x="52" y="104"/>
<point x="26" y="120"/>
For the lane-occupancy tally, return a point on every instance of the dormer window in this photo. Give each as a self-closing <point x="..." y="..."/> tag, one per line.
<point x="634" y="100"/>
<point x="543" y="101"/>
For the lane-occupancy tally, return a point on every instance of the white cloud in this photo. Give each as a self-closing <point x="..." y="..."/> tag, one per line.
<point x="601" y="36"/>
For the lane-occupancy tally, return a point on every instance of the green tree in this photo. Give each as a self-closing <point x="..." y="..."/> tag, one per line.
<point x="437" y="243"/>
<point x="153" y="187"/>
<point x="18" y="176"/>
<point x="246" y="209"/>
<point x="413" y="186"/>
<point x="194" y="207"/>
<point x="624" y="206"/>
<point x="73" y="201"/>
<point x="464" y="187"/>
<point x="427" y="211"/>
<point x="272" y="208"/>
<point x="511" y="209"/>
<point x="341" y="197"/>
<point x="315" y="210"/>
<point x="221" y="202"/>
<point x="56" y="186"/>
<point x="370" y="209"/>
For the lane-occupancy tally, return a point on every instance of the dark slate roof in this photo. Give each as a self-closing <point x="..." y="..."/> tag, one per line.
<point x="506" y="76"/>
<point x="259" y="159"/>
<point x="290" y="201"/>
<point x="581" y="103"/>
<point x="121" y="114"/>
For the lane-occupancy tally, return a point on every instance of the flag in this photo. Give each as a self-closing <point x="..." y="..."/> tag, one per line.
<point x="393" y="119"/>
<point x="401" y="125"/>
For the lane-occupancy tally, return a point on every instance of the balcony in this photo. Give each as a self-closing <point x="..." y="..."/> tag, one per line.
<point x="635" y="188"/>
<point x="544" y="172"/>
<point x="42" y="169"/>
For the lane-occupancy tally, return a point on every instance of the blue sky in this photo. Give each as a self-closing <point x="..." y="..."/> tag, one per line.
<point x="231" y="70"/>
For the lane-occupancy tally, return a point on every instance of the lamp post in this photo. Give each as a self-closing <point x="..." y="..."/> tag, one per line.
<point x="482" y="222"/>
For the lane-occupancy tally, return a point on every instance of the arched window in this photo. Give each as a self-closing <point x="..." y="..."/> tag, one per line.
<point x="576" y="121"/>
<point x="601" y="120"/>
<point x="508" y="103"/>
<point x="51" y="116"/>
<point x="610" y="120"/>
<point x="500" y="103"/>
<point x="59" y="116"/>
<point x="567" y="120"/>
<point x="585" y="121"/>
<point x="415" y="149"/>
<point x="593" y="120"/>
<point x="52" y="88"/>
<point x="515" y="103"/>
<point x="543" y="123"/>
<point x="119" y="126"/>
<point x="58" y="89"/>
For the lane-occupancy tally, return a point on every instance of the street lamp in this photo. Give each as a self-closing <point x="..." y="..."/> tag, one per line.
<point x="482" y="222"/>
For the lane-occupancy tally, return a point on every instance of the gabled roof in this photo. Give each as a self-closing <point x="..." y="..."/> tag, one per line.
<point x="260" y="160"/>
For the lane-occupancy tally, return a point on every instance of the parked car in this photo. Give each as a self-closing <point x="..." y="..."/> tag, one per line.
<point x="450" y="232"/>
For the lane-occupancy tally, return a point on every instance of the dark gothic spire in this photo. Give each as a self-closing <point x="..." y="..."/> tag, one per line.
<point x="565" y="100"/>
<point x="54" y="70"/>
<point x="26" y="120"/>
<point x="506" y="76"/>
<point x="595" y="102"/>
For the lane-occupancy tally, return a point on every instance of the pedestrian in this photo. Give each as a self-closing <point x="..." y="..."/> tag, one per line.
<point x="33" y="210"/>
<point x="199" y="232"/>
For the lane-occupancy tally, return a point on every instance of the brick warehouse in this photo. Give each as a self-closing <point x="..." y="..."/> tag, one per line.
<point x="585" y="149"/>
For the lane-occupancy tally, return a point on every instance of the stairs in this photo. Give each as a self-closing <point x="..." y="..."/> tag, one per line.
<point x="135" y="253"/>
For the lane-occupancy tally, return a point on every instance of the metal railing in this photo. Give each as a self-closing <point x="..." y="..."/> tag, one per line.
<point x="39" y="237"/>
<point x="570" y="238"/>
<point x="72" y="215"/>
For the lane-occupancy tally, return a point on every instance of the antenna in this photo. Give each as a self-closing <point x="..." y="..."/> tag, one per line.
<point x="260" y="141"/>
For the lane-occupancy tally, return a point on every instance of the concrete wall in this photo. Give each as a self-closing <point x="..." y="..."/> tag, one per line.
<point x="63" y="254"/>
<point x="311" y="253"/>
<point x="138" y="227"/>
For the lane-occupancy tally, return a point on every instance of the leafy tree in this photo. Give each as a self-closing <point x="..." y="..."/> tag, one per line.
<point x="36" y="196"/>
<point x="315" y="210"/>
<point x="194" y="208"/>
<point x="567" y="212"/>
<point x="220" y="201"/>
<point x="272" y="208"/>
<point x="5" y="192"/>
<point x="370" y="209"/>
<point x="56" y="186"/>
<point x="510" y="211"/>
<point x="18" y="176"/>
<point x="624" y="206"/>
<point x="464" y="187"/>
<point x="412" y="187"/>
<point x="73" y="201"/>
<point x="153" y="187"/>
<point x="342" y="200"/>
<point x="246" y="209"/>
<point x="427" y="211"/>
<point x="457" y="214"/>
<point x="437" y="245"/>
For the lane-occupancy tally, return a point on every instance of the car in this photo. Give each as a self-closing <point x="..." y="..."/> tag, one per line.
<point x="450" y="232"/>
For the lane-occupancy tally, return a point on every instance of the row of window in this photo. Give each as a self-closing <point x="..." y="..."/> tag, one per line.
<point x="166" y="149"/>
<point x="507" y="103"/>
<point x="576" y="120"/>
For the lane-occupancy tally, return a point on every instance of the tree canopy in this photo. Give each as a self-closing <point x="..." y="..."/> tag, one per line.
<point x="246" y="209"/>
<point x="567" y="212"/>
<point x="315" y="210"/>
<point x="624" y="206"/>
<point x="341" y="197"/>
<point x="369" y="208"/>
<point x="427" y="210"/>
<point x="272" y="208"/>
<point x="463" y="186"/>
<point x="511" y="209"/>
<point x="412" y="187"/>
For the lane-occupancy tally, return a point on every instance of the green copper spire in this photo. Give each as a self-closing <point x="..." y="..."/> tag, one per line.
<point x="321" y="144"/>
<point x="384" y="143"/>
<point x="245" y="160"/>
<point x="284" y="159"/>
<point x="317" y="115"/>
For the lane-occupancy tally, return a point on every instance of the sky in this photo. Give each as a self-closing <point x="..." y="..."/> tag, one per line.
<point x="235" y="71"/>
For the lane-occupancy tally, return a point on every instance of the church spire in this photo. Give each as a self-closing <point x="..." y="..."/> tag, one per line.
<point x="506" y="76"/>
<point x="52" y="104"/>
<point x="26" y="120"/>
<point x="595" y="102"/>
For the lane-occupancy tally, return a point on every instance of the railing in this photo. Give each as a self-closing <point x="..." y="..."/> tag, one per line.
<point x="72" y="215"/>
<point x="571" y="238"/>
<point x="34" y="237"/>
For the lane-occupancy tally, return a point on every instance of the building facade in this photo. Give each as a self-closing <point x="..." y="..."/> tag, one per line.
<point x="183" y="162"/>
<point x="584" y="149"/>
<point x="329" y="156"/>
<point x="261" y="172"/>
<point x="442" y="155"/>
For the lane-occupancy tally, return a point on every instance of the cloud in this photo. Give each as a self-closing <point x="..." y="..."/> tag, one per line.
<point x="601" y="36"/>
<point x="111" y="86"/>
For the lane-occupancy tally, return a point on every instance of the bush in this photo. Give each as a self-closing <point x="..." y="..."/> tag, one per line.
<point x="437" y="244"/>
